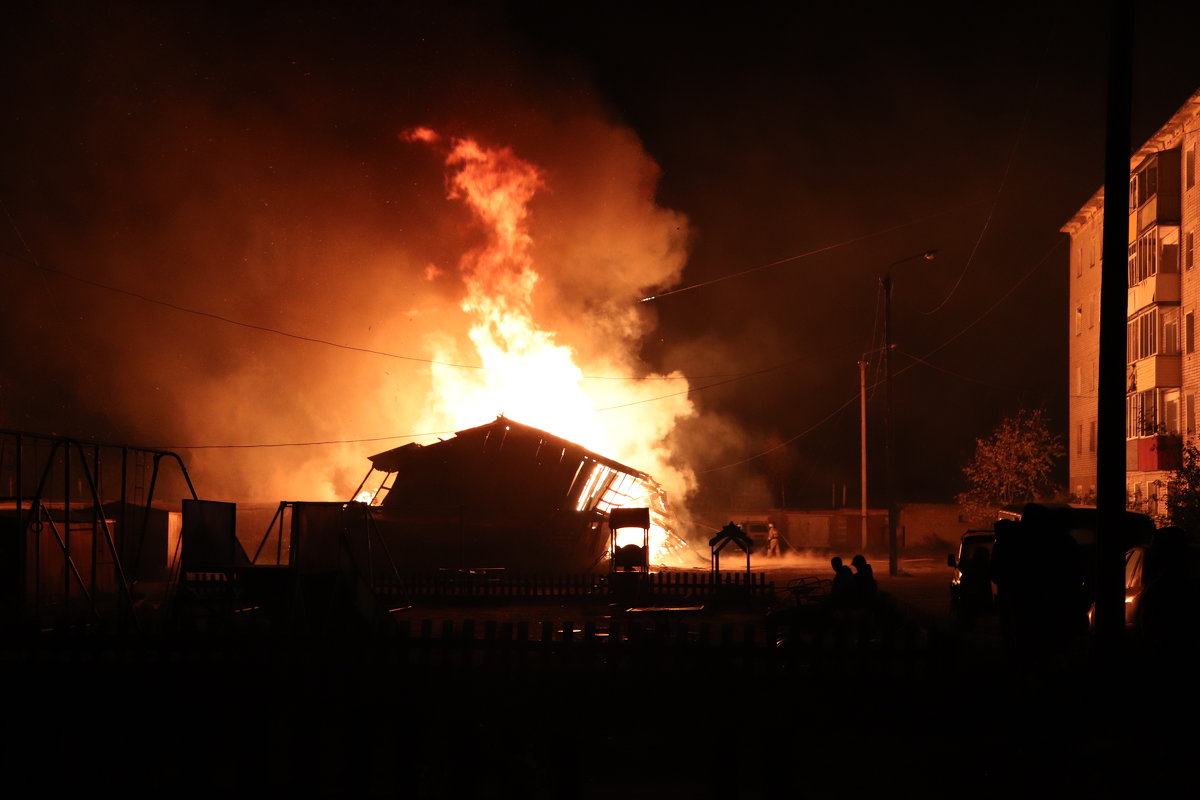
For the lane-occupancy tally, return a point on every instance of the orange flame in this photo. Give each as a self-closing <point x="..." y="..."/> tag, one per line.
<point x="528" y="375"/>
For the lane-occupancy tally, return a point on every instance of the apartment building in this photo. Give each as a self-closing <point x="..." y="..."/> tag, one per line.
<point x="1163" y="367"/>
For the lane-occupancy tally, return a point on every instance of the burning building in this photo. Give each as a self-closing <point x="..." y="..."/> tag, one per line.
<point x="504" y="495"/>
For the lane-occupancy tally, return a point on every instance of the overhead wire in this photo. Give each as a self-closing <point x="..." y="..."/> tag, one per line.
<point x="809" y="253"/>
<point x="901" y="371"/>
<point x="1012" y="156"/>
<point x="876" y="338"/>
<point x="1049" y="252"/>
<point x="33" y="259"/>
<point x="961" y="376"/>
<point x="690" y="390"/>
<point x="34" y="263"/>
<point x="259" y="445"/>
<point x="871" y="387"/>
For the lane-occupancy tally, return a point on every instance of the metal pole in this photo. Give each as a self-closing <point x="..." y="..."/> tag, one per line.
<point x="888" y="427"/>
<point x="862" y="413"/>
<point x="1110" y="445"/>
<point x="69" y="566"/>
<point x="888" y="424"/>
<point x="23" y="588"/>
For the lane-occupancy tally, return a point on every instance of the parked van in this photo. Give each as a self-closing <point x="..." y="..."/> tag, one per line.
<point x="971" y="587"/>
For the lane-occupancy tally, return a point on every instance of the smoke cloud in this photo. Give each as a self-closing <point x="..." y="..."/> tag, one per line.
<point x="269" y="186"/>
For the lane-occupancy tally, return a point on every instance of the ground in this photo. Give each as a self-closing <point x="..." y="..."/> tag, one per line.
<point x="937" y="714"/>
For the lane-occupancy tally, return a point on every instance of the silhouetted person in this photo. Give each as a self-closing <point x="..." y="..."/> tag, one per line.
<point x="865" y="587"/>
<point x="843" y="591"/>
<point x="772" y="540"/>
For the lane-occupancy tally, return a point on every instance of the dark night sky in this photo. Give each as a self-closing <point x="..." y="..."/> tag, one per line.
<point x="778" y="131"/>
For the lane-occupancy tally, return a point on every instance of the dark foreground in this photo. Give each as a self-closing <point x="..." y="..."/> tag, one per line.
<point x="850" y="706"/>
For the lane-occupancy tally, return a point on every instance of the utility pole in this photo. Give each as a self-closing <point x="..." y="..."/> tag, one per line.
<point x="862" y="413"/>
<point x="1110" y="402"/>
<point x="888" y="425"/>
<point x="888" y="451"/>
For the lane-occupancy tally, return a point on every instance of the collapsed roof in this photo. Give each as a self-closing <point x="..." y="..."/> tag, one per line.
<point x="511" y="468"/>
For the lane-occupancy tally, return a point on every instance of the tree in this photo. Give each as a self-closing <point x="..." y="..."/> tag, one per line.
<point x="1013" y="465"/>
<point x="1183" y="491"/>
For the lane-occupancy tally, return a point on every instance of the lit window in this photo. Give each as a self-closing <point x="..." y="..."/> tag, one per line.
<point x="1142" y="339"/>
<point x="1170" y="415"/>
<point x="1141" y="417"/>
<point x="1170" y="333"/>
<point x="1147" y="182"/>
<point x="1143" y="257"/>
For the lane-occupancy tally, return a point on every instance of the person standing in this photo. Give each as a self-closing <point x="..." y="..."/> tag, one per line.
<point x="772" y="540"/>
<point x="864" y="579"/>
<point x="843" y="592"/>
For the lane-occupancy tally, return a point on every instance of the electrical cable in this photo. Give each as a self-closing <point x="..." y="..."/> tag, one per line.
<point x="899" y="372"/>
<point x="959" y="375"/>
<point x="30" y="262"/>
<point x="296" y="444"/>
<point x="808" y="254"/>
<point x="1012" y="156"/>
<point x="690" y="390"/>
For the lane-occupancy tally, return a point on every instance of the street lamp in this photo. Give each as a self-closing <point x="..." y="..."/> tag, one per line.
<point x="888" y="448"/>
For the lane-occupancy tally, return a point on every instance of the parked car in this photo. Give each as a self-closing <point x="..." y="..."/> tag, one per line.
<point x="1082" y="523"/>
<point x="971" y="586"/>
<point x="1174" y="563"/>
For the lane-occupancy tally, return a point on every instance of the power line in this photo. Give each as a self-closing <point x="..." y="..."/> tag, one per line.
<point x="297" y="444"/>
<point x="808" y="254"/>
<point x="239" y="323"/>
<point x="899" y="372"/>
<point x="326" y="342"/>
<point x="693" y="389"/>
<point x="1012" y="156"/>
<point x="959" y="375"/>
<point x="1049" y="252"/>
<point x="786" y="442"/>
<point x="690" y="390"/>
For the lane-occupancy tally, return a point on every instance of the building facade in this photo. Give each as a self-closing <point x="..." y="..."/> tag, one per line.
<point x="1162" y="365"/>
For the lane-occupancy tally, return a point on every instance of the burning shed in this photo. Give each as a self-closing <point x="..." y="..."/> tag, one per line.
<point x="503" y="495"/>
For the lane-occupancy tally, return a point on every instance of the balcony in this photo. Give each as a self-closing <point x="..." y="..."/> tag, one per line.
<point x="1160" y="201"/>
<point x="1160" y="288"/>
<point x="1156" y="372"/>
<point x="1153" y="453"/>
<point x="1147" y="214"/>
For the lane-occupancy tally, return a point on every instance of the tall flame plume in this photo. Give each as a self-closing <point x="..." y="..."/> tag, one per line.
<point x="528" y="374"/>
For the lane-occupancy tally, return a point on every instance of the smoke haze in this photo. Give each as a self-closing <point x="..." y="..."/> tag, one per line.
<point x="263" y="186"/>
